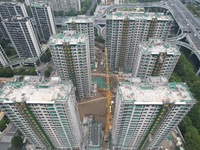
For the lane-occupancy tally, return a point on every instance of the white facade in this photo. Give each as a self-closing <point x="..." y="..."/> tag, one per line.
<point x="44" y="20"/>
<point x="46" y="113"/>
<point x="22" y="36"/>
<point x="70" y="53"/>
<point x="125" y="30"/>
<point x="62" y="5"/>
<point x="3" y="57"/>
<point x="84" y="25"/>
<point x="155" y="58"/>
<point x="146" y="113"/>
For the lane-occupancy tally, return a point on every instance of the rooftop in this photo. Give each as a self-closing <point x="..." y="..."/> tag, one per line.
<point x="40" y="4"/>
<point x="32" y="90"/>
<point x="17" y="19"/>
<point x="10" y="4"/>
<point x="67" y="36"/>
<point x="156" y="46"/>
<point x="120" y="15"/>
<point x="95" y="135"/>
<point x="78" y="19"/>
<point x="148" y="92"/>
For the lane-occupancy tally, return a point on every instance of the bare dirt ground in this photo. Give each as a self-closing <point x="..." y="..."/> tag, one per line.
<point x="96" y="106"/>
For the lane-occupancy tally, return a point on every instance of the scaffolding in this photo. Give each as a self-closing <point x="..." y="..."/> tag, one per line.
<point x="152" y="27"/>
<point x="123" y="43"/>
<point x="73" y="25"/>
<point x="156" y="124"/>
<point x="27" y="113"/>
<point x="70" y="65"/>
<point x="159" y="64"/>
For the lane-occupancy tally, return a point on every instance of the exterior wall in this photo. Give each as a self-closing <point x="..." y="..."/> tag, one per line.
<point x="22" y="36"/>
<point x="72" y="62"/>
<point x="123" y="35"/>
<point x="58" y="120"/>
<point x="8" y="10"/>
<point x="44" y="20"/>
<point x="135" y="122"/>
<point x="83" y="27"/>
<point x="3" y="58"/>
<point x="149" y="63"/>
<point x="14" y="114"/>
<point x="62" y="5"/>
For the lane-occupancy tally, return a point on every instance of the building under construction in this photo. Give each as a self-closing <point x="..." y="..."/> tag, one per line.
<point x="71" y="56"/>
<point x="146" y="112"/>
<point x="155" y="58"/>
<point x="44" y="112"/>
<point x="84" y="25"/>
<point x="125" y="30"/>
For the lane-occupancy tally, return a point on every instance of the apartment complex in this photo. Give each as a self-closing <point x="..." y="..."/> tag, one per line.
<point x="125" y="30"/>
<point x="44" y="112"/>
<point x="22" y="36"/>
<point x="3" y="58"/>
<point x="44" y="20"/>
<point x="84" y="25"/>
<point x="9" y="9"/>
<point x="155" y="58"/>
<point x="146" y="112"/>
<point x="70" y="53"/>
<point x="62" y="5"/>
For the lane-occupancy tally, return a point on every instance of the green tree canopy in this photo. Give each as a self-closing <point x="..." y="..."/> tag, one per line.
<point x="3" y="123"/>
<point x="47" y="73"/>
<point x="17" y="142"/>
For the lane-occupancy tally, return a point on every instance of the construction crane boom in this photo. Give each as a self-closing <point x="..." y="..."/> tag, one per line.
<point x="108" y="98"/>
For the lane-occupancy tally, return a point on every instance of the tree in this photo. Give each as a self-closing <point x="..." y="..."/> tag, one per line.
<point x="17" y="142"/>
<point x="6" y="72"/>
<point x="194" y="115"/>
<point x="47" y="73"/>
<point x="184" y="123"/>
<point x="192" y="138"/>
<point x="3" y="123"/>
<point x="50" y="69"/>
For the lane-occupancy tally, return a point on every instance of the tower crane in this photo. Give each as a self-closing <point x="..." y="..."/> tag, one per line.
<point x="108" y="98"/>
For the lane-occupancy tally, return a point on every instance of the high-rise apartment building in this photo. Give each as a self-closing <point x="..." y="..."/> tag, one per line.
<point x="125" y="30"/>
<point x="146" y="112"/>
<point x="45" y="112"/>
<point x="3" y="58"/>
<point x="84" y="25"/>
<point x="70" y="53"/>
<point x="22" y="36"/>
<point x="44" y="20"/>
<point x="9" y="9"/>
<point x="62" y="5"/>
<point x="155" y="58"/>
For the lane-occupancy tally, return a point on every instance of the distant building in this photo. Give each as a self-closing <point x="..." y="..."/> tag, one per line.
<point x="3" y="58"/>
<point x="44" y="112"/>
<point x="7" y="10"/>
<point x="22" y="36"/>
<point x="94" y="141"/>
<point x="44" y="20"/>
<point x="70" y="53"/>
<point x="84" y="25"/>
<point x="146" y="112"/>
<point x="155" y="58"/>
<point x="126" y="29"/>
<point x="62" y="5"/>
